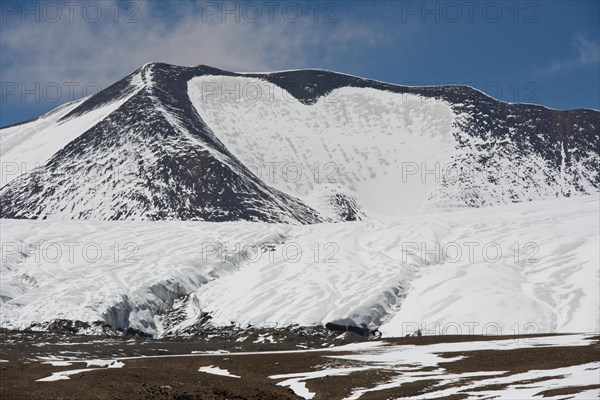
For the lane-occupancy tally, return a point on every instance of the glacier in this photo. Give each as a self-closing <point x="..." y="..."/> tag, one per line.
<point x="382" y="275"/>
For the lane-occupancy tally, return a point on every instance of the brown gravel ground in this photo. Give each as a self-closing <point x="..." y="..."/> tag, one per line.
<point x="177" y="377"/>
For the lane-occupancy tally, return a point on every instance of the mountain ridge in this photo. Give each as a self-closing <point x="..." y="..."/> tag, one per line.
<point x="189" y="163"/>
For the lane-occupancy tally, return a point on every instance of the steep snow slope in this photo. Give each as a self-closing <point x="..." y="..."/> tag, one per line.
<point x="152" y="158"/>
<point x="392" y="150"/>
<point x="359" y="142"/>
<point x="370" y="274"/>
<point x="29" y="146"/>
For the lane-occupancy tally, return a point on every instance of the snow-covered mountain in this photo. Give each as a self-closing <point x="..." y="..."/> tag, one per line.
<point x="170" y="142"/>
<point x="223" y="186"/>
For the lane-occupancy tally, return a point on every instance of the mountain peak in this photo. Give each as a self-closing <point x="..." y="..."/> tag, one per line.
<point x="358" y="149"/>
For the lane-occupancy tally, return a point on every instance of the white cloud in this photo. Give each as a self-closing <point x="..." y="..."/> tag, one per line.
<point x="82" y="51"/>
<point x="588" y="53"/>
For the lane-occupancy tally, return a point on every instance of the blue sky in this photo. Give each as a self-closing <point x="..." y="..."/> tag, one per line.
<point x="544" y="52"/>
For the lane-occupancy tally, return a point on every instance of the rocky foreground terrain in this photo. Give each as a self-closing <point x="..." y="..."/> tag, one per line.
<point x="263" y="365"/>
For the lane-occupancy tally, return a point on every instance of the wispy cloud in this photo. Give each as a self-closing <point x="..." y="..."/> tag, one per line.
<point x="83" y="51"/>
<point x="587" y="52"/>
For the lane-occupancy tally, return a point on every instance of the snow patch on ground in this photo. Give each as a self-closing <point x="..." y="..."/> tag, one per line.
<point x="217" y="371"/>
<point x="65" y="375"/>
<point x="297" y="381"/>
<point x="430" y="355"/>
